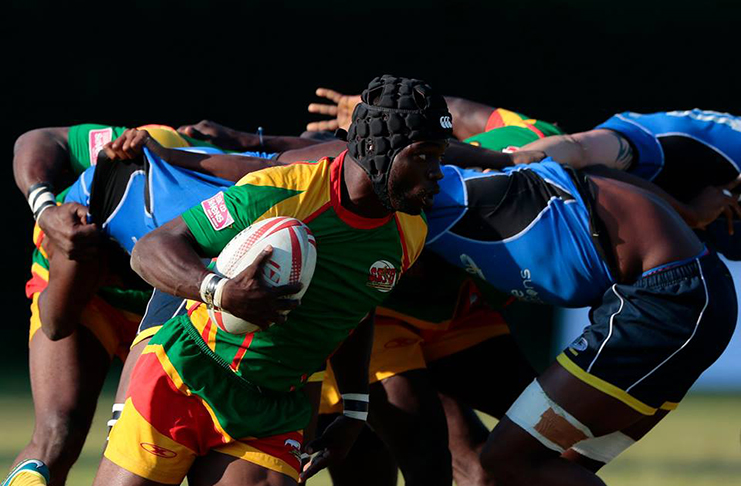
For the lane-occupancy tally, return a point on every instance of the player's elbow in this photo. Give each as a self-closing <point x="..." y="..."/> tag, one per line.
<point x="56" y="327"/>
<point x="138" y="256"/>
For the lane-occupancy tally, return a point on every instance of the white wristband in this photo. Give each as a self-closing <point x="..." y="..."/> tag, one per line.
<point x="208" y="288"/>
<point x="356" y="405"/>
<point x="219" y="292"/>
<point x="40" y="197"/>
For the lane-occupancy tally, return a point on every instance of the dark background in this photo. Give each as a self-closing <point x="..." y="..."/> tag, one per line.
<point x="248" y="64"/>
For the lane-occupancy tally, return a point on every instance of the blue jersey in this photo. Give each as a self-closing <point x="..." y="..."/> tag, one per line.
<point x="142" y="198"/>
<point x="682" y="151"/>
<point x="526" y="230"/>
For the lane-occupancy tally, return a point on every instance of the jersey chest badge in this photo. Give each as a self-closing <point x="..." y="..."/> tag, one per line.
<point x="382" y="276"/>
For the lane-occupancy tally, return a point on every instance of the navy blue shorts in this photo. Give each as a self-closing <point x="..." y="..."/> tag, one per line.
<point x="649" y="342"/>
<point x="161" y="308"/>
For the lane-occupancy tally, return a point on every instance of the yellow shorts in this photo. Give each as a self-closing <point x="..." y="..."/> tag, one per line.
<point x="164" y="427"/>
<point x="399" y="347"/>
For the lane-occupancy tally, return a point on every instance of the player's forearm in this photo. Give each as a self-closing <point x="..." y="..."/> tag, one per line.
<point x="40" y="155"/>
<point x="352" y="359"/>
<point x="469" y="117"/>
<point x="314" y="152"/>
<point x="166" y="258"/>
<point x="468" y="156"/>
<point x="566" y="149"/>
<point x="72" y="284"/>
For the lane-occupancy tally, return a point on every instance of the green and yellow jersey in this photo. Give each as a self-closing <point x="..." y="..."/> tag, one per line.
<point x="359" y="261"/>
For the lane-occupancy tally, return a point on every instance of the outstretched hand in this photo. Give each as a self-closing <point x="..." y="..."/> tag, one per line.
<point x="130" y="145"/>
<point x="246" y="296"/>
<point x="332" y="446"/>
<point x="341" y="109"/>
<point x="713" y="201"/>
<point x="67" y="227"/>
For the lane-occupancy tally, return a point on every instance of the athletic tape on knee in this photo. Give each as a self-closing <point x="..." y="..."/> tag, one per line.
<point x="545" y="420"/>
<point x="604" y="449"/>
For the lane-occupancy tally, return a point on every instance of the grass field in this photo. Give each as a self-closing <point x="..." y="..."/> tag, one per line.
<point x="698" y="445"/>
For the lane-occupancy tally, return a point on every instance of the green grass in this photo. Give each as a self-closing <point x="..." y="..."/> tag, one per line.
<point x="696" y="445"/>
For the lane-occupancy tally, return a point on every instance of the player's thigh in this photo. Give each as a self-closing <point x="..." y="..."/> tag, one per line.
<point x="223" y="470"/>
<point x="488" y="376"/>
<point x="67" y="375"/>
<point x="109" y="474"/>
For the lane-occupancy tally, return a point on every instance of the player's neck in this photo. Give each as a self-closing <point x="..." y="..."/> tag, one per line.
<point x="357" y="192"/>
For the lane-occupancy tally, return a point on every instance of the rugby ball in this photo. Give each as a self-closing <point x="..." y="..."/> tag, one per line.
<point x="293" y="260"/>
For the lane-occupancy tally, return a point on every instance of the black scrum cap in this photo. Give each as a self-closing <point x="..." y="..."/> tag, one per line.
<point x="394" y="113"/>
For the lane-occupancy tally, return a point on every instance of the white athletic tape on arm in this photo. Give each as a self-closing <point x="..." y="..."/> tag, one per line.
<point x="545" y="420"/>
<point x="40" y="199"/>
<point x="356" y="405"/>
<point x="604" y="449"/>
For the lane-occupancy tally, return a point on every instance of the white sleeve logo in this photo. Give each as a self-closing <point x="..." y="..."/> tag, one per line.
<point x="446" y="122"/>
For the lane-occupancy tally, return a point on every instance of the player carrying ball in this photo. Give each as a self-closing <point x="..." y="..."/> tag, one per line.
<point x="221" y="407"/>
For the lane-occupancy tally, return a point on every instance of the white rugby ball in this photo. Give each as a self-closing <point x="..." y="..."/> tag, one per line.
<point x="293" y="260"/>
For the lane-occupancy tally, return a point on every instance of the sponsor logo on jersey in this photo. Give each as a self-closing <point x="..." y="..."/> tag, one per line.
<point x="217" y="212"/>
<point x="382" y="276"/>
<point x="96" y="140"/>
<point x="528" y="293"/>
<point x="158" y="450"/>
<point x="446" y="122"/>
<point x="580" y="344"/>
<point x="471" y="266"/>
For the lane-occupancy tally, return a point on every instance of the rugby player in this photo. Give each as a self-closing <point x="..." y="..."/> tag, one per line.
<point x="476" y="225"/>
<point x="665" y="148"/>
<point x="612" y="246"/>
<point x="67" y="374"/>
<point x="361" y="208"/>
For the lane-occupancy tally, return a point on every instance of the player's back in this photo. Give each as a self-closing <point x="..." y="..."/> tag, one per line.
<point x="526" y="230"/>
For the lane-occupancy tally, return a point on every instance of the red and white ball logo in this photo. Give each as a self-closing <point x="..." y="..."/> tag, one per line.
<point x="382" y="276"/>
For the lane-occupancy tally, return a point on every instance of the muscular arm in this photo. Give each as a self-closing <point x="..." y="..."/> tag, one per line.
<point x="169" y="258"/>
<point x="351" y="360"/>
<point x="350" y="364"/>
<point x="469" y="117"/>
<point x="41" y="155"/>
<point x="579" y="150"/>
<point x="71" y="286"/>
<point x="232" y="139"/>
<point x="468" y="156"/>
